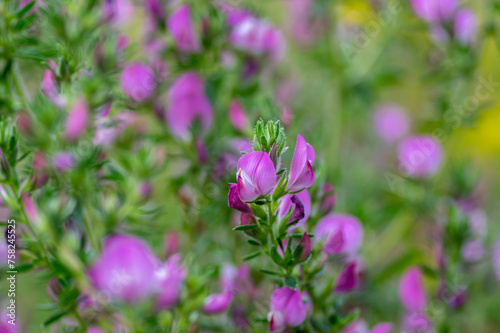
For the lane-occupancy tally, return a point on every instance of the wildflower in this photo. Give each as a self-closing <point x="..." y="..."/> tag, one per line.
<point x="77" y="120"/>
<point x="138" y="82"/>
<point x="420" y="156"/>
<point x="390" y="123"/>
<point x="125" y="270"/>
<point x="180" y="27"/>
<point x="301" y="174"/>
<point x="287" y="309"/>
<point x="341" y="234"/>
<point x="187" y="103"/>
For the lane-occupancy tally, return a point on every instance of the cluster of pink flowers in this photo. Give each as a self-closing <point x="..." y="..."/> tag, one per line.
<point x="440" y="14"/>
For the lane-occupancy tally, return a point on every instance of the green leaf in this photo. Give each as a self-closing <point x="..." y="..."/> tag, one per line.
<point x="21" y="12"/>
<point x="245" y="227"/>
<point x="252" y="242"/>
<point x="251" y="256"/>
<point x="55" y="318"/>
<point x="265" y="271"/>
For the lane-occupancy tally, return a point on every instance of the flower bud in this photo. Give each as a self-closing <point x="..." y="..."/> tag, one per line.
<point x="138" y="82"/>
<point x="411" y="290"/>
<point x="237" y="116"/>
<point x="180" y="27"/>
<point x="171" y="243"/>
<point x="29" y="208"/>
<point x="347" y="279"/>
<point x="77" y="120"/>
<point x="301" y="174"/>
<point x="327" y="202"/>
<point x="305" y="244"/>
<point x="217" y="303"/>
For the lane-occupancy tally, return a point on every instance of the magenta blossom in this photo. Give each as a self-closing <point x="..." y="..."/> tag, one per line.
<point x="347" y="279"/>
<point x="301" y="174"/>
<point x="63" y="161"/>
<point x="125" y="270"/>
<point x="180" y="27"/>
<point x="49" y="88"/>
<point x="170" y="278"/>
<point x="235" y="202"/>
<point x="341" y="233"/>
<point x="382" y="328"/>
<point x="258" y="37"/>
<point x="217" y="303"/>
<point x="287" y="309"/>
<point x="138" y="82"/>
<point x="286" y="203"/>
<point x="411" y="290"/>
<point x="29" y="208"/>
<point x="256" y="176"/>
<point x="390" y="123"/>
<point x="465" y="27"/>
<point x="237" y="116"/>
<point x="434" y="11"/>
<point x="77" y="120"/>
<point x="420" y="156"/>
<point x="187" y="103"/>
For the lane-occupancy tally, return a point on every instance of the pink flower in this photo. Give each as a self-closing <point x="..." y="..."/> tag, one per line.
<point x="125" y="270"/>
<point x="94" y="329"/>
<point x="287" y="309"/>
<point x="328" y="199"/>
<point x="420" y="156"/>
<point x="258" y="37"/>
<point x="48" y="86"/>
<point x="154" y="8"/>
<point x="435" y="10"/>
<point x="187" y="103"/>
<point x="411" y="290"/>
<point x="286" y="203"/>
<point x="382" y="328"/>
<point x="237" y="116"/>
<point x="180" y="27"/>
<point x="256" y="176"/>
<point x="63" y="161"/>
<point x="472" y="251"/>
<point x="138" y="82"/>
<point x="301" y="174"/>
<point x="217" y="303"/>
<point x="465" y="27"/>
<point x="235" y="202"/>
<point x="341" y="234"/>
<point x="299" y="20"/>
<point x="347" y="279"/>
<point x="305" y="243"/>
<point x="390" y="123"/>
<point x="29" y="208"/>
<point x="170" y="278"/>
<point x="77" y="120"/>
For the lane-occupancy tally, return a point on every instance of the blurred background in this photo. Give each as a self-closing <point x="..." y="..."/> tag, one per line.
<point x="352" y="57"/>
